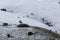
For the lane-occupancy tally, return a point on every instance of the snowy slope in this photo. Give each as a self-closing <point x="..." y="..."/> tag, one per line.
<point x="48" y="9"/>
<point x="13" y="19"/>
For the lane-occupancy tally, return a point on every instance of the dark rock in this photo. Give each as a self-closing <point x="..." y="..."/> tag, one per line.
<point x="3" y="9"/>
<point x="8" y="35"/>
<point x="30" y="33"/>
<point x="5" y="24"/>
<point x="23" y="25"/>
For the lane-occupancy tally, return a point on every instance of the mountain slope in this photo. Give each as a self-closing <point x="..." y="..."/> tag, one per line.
<point x="48" y="9"/>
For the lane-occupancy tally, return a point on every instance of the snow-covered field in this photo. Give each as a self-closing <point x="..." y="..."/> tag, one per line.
<point x="39" y="13"/>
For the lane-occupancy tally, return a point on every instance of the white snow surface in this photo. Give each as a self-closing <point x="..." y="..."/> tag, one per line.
<point x="49" y="9"/>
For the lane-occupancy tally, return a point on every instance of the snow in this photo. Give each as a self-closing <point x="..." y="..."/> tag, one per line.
<point x="12" y="19"/>
<point x="49" y="9"/>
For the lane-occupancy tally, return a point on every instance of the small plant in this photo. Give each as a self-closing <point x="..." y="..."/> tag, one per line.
<point x="23" y="16"/>
<point x="20" y="21"/>
<point x="18" y="17"/>
<point x="46" y="22"/>
<point x="27" y="16"/>
<point x="59" y="2"/>
<point x="32" y="14"/>
<point x="23" y="25"/>
<point x="5" y="24"/>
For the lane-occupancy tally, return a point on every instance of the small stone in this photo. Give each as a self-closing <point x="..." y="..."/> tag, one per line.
<point x="30" y="33"/>
<point x="8" y="35"/>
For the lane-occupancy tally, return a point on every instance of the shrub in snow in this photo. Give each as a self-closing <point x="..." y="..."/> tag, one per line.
<point x="30" y="33"/>
<point x="11" y="11"/>
<point x="59" y="2"/>
<point x="3" y="9"/>
<point x="46" y="22"/>
<point x="9" y="36"/>
<point x="15" y="24"/>
<point x="5" y="24"/>
<point x="23" y="16"/>
<point x="27" y="16"/>
<point x="20" y="21"/>
<point x="23" y="25"/>
<point x="32" y="14"/>
<point x="18" y="17"/>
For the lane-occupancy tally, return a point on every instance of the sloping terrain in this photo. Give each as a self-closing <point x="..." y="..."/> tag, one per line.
<point x="30" y="33"/>
<point x="39" y="13"/>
